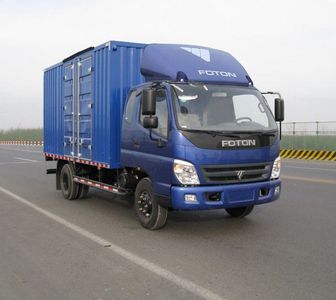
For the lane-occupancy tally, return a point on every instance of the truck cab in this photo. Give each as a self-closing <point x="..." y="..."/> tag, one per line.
<point x="202" y="139"/>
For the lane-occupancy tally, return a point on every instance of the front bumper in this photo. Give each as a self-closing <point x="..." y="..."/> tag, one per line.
<point x="223" y="196"/>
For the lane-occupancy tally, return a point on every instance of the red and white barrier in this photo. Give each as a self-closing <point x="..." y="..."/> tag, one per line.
<point x="22" y="143"/>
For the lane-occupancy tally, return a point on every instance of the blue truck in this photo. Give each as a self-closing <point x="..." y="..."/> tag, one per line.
<point x="172" y="127"/>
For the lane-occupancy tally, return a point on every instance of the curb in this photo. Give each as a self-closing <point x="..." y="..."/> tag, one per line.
<point x="22" y="143"/>
<point x="308" y="154"/>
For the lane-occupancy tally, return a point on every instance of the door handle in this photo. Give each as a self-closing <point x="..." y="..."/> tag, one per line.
<point x="136" y="144"/>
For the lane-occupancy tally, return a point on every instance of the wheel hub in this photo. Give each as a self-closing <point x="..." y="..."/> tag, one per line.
<point x="145" y="204"/>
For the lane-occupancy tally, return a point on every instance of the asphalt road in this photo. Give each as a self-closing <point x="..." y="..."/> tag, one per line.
<point x="51" y="248"/>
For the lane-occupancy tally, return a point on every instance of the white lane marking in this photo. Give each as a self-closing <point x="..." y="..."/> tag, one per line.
<point x="18" y="162"/>
<point x="308" y="179"/>
<point x="308" y="168"/>
<point x="22" y="150"/>
<point x="142" y="262"/>
<point x="25" y="159"/>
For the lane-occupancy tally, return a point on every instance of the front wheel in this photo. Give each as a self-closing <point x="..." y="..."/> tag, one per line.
<point x="151" y="214"/>
<point x="239" y="212"/>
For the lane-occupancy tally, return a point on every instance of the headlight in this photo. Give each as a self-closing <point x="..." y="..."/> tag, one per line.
<point x="185" y="172"/>
<point x="276" y="168"/>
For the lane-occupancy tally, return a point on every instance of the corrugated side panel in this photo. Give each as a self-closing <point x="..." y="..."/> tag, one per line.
<point x="101" y="129"/>
<point x="53" y="110"/>
<point x="126" y="60"/>
<point x="116" y="71"/>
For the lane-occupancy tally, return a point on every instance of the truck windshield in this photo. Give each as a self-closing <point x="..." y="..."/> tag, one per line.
<point x="221" y="108"/>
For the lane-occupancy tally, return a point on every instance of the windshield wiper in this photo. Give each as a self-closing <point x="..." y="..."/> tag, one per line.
<point x="215" y="132"/>
<point x="265" y="133"/>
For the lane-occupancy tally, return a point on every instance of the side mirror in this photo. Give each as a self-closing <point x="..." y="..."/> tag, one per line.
<point x="150" y="122"/>
<point x="148" y="102"/>
<point x="279" y="109"/>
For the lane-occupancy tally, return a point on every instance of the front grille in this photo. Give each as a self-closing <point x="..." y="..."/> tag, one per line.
<point x="236" y="173"/>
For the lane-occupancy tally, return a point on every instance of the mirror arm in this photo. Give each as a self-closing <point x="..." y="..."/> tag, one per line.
<point x="160" y="142"/>
<point x="272" y="93"/>
<point x="150" y="135"/>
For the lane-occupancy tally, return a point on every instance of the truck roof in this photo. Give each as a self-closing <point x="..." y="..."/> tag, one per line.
<point x="182" y="63"/>
<point x="192" y="63"/>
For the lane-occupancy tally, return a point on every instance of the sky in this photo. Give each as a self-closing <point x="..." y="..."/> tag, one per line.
<point x="286" y="46"/>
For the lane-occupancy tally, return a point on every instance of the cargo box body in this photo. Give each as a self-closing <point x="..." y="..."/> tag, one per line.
<point x="84" y="99"/>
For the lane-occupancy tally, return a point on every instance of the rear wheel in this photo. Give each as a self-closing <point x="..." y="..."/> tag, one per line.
<point x="83" y="191"/>
<point x="239" y="212"/>
<point x="68" y="186"/>
<point x="151" y="214"/>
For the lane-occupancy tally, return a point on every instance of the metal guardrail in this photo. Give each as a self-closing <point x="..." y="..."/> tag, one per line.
<point x="309" y="135"/>
<point x="309" y="128"/>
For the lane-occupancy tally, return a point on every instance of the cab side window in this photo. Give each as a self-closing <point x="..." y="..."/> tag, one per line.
<point x="161" y="113"/>
<point x="130" y="106"/>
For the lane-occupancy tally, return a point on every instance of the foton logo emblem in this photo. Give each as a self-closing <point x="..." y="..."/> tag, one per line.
<point x="238" y="143"/>
<point x="216" y="73"/>
<point x="199" y="52"/>
<point x="240" y="174"/>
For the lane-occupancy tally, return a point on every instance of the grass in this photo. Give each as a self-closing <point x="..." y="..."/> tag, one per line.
<point x="308" y="142"/>
<point x="18" y="134"/>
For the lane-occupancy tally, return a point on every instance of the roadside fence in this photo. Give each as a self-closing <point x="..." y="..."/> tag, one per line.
<point x="309" y="135"/>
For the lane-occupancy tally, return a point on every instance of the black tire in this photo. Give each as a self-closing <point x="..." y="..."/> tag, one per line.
<point x="151" y="215"/>
<point x="83" y="191"/>
<point x="68" y="186"/>
<point x="239" y="212"/>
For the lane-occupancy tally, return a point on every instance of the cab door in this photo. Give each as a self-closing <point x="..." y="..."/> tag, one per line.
<point x="130" y="133"/>
<point x="156" y="148"/>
